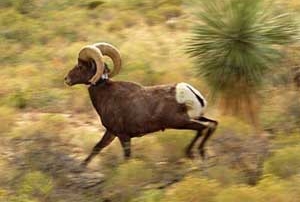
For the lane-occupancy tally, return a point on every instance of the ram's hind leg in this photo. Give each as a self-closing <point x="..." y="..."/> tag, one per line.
<point x="212" y="126"/>
<point x="200" y="125"/>
<point x="105" y="141"/>
<point x="188" y="151"/>
<point x="192" y="125"/>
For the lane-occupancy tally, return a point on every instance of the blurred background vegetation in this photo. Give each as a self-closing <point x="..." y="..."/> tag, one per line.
<point x="47" y="128"/>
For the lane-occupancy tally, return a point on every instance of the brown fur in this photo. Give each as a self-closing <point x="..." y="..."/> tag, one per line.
<point x="297" y="79"/>
<point x="126" y="107"/>
<point x="130" y="110"/>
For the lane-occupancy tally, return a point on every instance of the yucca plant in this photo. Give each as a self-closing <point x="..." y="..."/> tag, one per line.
<point x="235" y="43"/>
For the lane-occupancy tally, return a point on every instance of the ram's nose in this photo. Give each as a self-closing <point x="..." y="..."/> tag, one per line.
<point x="68" y="81"/>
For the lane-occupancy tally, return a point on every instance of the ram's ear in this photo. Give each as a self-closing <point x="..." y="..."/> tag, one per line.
<point x="106" y="69"/>
<point x="92" y="65"/>
<point x="80" y="61"/>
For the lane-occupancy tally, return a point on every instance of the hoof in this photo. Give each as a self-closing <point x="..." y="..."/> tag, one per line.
<point x="190" y="155"/>
<point x="202" y="154"/>
<point x="78" y="169"/>
<point x="84" y="164"/>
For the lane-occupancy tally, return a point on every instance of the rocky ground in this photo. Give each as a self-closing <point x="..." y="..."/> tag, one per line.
<point x="61" y="159"/>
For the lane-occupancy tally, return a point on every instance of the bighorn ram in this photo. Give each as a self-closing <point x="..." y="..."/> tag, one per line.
<point x="130" y="110"/>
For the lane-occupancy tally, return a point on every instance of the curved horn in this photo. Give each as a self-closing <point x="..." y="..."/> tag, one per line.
<point x="91" y="52"/>
<point x="113" y="53"/>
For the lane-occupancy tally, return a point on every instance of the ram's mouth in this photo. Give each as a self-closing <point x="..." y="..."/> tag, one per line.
<point x="68" y="81"/>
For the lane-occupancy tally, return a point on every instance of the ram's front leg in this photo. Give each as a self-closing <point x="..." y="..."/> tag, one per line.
<point x="107" y="138"/>
<point x="125" y="141"/>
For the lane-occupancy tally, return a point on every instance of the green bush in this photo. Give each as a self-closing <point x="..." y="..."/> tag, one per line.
<point x="152" y="154"/>
<point x="239" y="194"/>
<point x="170" y="11"/>
<point x="54" y="123"/>
<point x="174" y="143"/>
<point x="36" y="184"/>
<point x="7" y="173"/>
<point x="230" y="124"/>
<point x="123" y="20"/>
<point x="25" y="6"/>
<point x="282" y="116"/>
<point x="21" y="198"/>
<point x="3" y="194"/>
<point x="18" y="28"/>
<point x="6" y="3"/>
<point x="111" y="157"/>
<point x="149" y="196"/>
<point x="51" y="99"/>
<point x="275" y="190"/>
<point x="192" y="189"/>
<point x="127" y="180"/>
<point x="284" y="163"/>
<point x="284" y="140"/>
<point x="18" y="99"/>
<point x="49" y="126"/>
<point x="232" y="176"/>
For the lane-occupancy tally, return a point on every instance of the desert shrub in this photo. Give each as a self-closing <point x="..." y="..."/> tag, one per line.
<point x="79" y="104"/>
<point x="284" y="163"/>
<point x="149" y="196"/>
<point x="7" y="119"/>
<point x="146" y="4"/>
<point x="28" y="130"/>
<point x="35" y="126"/>
<point x="53" y="123"/>
<point x="142" y="72"/>
<point x="192" y="189"/>
<point x="35" y="184"/>
<point x="284" y="140"/>
<point x="149" y="149"/>
<point x="18" y="99"/>
<point x="39" y="56"/>
<point x="51" y="99"/>
<point x="275" y="190"/>
<point x="3" y="194"/>
<point x="111" y="157"/>
<point x="239" y="194"/>
<point x="293" y="111"/>
<point x="25" y="6"/>
<point x="21" y="198"/>
<point x="7" y="173"/>
<point x="153" y="18"/>
<point x="281" y="114"/>
<point x="292" y="187"/>
<point x="8" y="51"/>
<point x="67" y="33"/>
<point x="236" y="126"/>
<point x="6" y="3"/>
<point x="162" y="13"/>
<point x="170" y="11"/>
<point x="18" y="28"/>
<point x="26" y="88"/>
<point x="127" y="180"/>
<point x="121" y="21"/>
<point x="225" y="175"/>
<point x="174" y="143"/>
<point x="235" y="145"/>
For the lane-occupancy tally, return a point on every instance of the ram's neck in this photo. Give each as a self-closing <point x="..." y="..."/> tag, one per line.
<point x="99" y="95"/>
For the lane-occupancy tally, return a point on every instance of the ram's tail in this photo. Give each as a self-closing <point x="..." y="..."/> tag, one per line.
<point x="192" y="98"/>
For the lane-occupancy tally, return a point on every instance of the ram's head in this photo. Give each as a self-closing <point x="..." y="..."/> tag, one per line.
<point x="90" y="66"/>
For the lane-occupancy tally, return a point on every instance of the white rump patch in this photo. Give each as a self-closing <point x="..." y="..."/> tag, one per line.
<point x="185" y="94"/>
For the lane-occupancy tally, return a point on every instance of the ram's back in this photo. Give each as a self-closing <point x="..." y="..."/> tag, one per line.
<point x="126" y="107"/>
